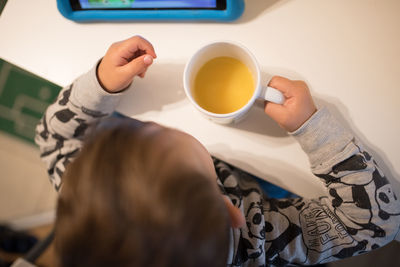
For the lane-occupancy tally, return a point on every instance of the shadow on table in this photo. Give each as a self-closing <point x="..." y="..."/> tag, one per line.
<point x="255" y="8"/>
<point x="257" y="121"/>
<point x="161" y="87"/>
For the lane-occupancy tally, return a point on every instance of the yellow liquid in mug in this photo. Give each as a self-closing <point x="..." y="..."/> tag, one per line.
<point x="223" y="85"/>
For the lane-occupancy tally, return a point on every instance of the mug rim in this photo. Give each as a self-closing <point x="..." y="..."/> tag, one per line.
<point x="249" y="103"/>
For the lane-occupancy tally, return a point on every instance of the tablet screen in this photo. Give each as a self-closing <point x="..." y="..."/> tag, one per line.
<point x="148" y="4"/>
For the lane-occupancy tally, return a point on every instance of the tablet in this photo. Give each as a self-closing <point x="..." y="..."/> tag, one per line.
<point x="86" y="10"/>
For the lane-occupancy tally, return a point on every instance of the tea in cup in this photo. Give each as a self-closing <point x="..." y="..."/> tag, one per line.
<point x="222" y="80"/>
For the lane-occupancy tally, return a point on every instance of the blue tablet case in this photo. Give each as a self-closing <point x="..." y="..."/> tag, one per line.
<point x="234" y="9"/>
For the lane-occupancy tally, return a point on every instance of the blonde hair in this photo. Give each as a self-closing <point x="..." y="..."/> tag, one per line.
<point x="116" y="209"/>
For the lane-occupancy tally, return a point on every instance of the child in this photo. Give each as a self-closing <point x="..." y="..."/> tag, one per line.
<point x="139" y="194"/>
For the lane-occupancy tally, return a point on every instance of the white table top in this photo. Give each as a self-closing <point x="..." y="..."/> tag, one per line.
<point x="347" y="51"/>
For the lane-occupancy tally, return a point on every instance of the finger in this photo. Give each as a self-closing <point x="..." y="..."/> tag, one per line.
<point x="282" y="84"/>
<point x="138" y="65"/>
<point x="236" y="216"/>
<point x="139" y="43"/>
<point x="275" y="111"/>
<point x="141" y="75"/>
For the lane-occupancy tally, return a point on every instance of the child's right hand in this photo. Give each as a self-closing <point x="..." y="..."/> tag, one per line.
<point x="123" y="61"/>
<point x="298" y="106"/>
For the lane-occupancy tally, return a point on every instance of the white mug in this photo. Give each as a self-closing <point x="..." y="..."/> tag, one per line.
<point x="237" y="51"/>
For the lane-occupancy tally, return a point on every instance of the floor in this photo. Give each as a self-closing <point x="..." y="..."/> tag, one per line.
<point x="47" y="259"/>
<point x="25" y="191"/>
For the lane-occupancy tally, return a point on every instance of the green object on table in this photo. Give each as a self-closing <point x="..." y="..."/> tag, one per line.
<point x="2" y="5"/>
<point x="24" y="98"/>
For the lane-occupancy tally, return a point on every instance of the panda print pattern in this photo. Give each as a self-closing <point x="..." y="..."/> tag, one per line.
<point x="346" y="222"/>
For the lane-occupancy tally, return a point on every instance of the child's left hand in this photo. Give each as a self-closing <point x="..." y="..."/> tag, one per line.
<point x="123" y="61"/>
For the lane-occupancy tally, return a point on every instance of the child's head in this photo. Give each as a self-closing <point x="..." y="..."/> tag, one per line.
<point x="140" y="194"/>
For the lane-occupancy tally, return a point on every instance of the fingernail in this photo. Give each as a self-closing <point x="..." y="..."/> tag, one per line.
<point x="148" y="60"/>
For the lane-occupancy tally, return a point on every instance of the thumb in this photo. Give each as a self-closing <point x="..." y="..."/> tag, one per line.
<point x="138" y="65"/>
<point x="281" y="84"/>
<point x="236" y="216"/>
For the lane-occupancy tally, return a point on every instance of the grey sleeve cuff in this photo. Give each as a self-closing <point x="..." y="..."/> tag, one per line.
<point x="323" y="138"/>
<point x="87" y="93"/>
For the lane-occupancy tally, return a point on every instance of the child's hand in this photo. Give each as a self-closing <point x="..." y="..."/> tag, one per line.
<point x="298" y="106"/>
<point x="123" y="61"/>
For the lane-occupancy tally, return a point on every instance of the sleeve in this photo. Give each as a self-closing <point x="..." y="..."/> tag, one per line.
<point x="61" y="131"/>
<point x="359" y="213"/>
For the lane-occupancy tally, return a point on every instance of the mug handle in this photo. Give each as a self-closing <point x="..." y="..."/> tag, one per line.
<point x="272" y="95"/>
